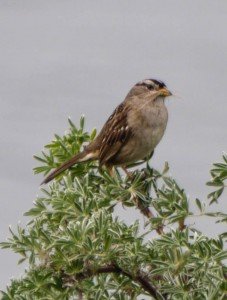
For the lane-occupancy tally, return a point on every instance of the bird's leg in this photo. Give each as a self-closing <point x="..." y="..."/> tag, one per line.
<point x="129" y="174"/>
<point x="110" y="170"/>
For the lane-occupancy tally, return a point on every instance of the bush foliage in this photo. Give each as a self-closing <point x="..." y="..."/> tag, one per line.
<point x="77" y="248"/>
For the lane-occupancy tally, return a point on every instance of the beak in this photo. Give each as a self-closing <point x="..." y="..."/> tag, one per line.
<point x="165" y="92"/>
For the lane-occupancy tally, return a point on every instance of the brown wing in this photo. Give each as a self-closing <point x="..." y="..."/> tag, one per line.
<point x="114" y="134"/>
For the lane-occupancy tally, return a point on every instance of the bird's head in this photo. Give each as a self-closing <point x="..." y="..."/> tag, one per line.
<point x="153" y="87"/>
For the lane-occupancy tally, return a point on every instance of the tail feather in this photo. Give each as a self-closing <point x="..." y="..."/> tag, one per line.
<point x="80" y="157"/>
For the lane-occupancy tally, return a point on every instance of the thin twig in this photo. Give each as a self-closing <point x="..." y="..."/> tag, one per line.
<point x="182" y="226"/>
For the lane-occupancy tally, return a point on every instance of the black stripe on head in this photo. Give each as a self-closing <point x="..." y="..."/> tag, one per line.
<point x="151" y="84"/>
<point x="160" y="83"/>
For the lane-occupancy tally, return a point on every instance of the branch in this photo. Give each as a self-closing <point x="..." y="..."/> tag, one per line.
<point x="145" y="210"/>
<point x="141" y="278"/>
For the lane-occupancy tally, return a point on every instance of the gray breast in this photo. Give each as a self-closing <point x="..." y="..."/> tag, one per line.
<point x="148" y="123"/>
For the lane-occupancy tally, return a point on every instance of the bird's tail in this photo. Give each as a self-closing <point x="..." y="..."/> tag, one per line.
<point x="80" y="157"/>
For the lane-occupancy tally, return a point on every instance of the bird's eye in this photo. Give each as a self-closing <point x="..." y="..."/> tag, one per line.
<point x="150" y="87"/>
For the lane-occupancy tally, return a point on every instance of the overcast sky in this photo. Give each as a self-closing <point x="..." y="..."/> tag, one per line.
<point x="67" y="58"/>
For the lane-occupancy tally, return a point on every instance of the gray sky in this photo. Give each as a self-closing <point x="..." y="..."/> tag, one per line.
<point x="67" y="58"/>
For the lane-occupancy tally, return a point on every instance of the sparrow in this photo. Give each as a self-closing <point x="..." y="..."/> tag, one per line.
<point x="132" y="131"/>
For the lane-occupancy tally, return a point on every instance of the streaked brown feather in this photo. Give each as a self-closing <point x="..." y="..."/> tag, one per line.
<point x="114" y="134"/>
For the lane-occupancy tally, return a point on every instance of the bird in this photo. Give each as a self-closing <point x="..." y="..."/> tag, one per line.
<point x="132" y="131"/>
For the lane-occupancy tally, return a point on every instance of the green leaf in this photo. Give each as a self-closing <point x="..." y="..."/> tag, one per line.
<point x="198" y="203"/>
<point x="82" y="123"/>
<point x="72" y="124"/>
<point x="93" y="134"/>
